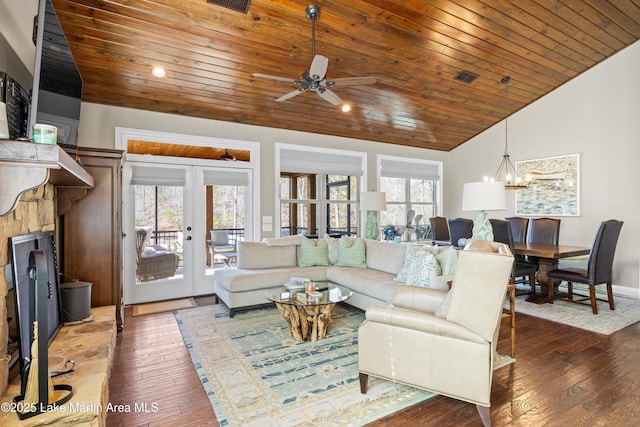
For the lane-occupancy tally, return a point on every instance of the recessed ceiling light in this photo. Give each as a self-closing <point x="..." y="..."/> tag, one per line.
<point x="158" y="72"/>
<point x="346" y="108"/>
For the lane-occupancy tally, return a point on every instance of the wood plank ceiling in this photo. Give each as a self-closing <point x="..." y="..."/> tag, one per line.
<point x="413" y="48"/>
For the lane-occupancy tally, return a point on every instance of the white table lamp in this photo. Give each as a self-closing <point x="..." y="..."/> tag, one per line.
<point x="372" y="201"/>
<point x="483" y="197"/>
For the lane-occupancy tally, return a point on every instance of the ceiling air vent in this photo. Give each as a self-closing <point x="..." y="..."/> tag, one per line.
<point x="466" y="76"/>
<point x="237" y="5"/>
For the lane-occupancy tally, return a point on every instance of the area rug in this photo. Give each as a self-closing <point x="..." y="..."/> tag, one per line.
<point x="255" y="374"/>
<point x="606" y="322"/>
<point x="162" y="306"/>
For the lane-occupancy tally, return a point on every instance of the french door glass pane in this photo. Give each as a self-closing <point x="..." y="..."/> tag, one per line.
<point x="228" y="206"/>
<point x="158" y="209"/>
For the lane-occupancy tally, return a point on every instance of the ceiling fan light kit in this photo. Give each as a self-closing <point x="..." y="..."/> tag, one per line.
<point x="227" y="157"/>
<point x="314" y="79"/>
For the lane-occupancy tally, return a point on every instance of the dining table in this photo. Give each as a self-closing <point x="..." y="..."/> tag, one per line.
<point x="548" y="255"/>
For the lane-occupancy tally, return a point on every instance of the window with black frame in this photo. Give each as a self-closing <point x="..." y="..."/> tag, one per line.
<point x="318" y="193"/>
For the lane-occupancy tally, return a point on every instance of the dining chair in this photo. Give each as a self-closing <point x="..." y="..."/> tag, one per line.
<point x="599" y="268"/>
<point x="502" y="233"/>
<point x="460" y="228"/>
<point x="519" y="227"/>
<point x="440" y="230"/>
<point x="542" y="230"/>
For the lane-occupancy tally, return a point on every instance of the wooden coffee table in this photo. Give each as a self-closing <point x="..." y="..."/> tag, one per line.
<point x="308" y="318"/>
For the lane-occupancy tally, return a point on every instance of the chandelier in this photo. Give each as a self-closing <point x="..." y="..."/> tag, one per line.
<point x="506" y="171"/>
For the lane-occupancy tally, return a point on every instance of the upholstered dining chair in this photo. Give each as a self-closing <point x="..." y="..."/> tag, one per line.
<point x="438" y="341"/>
<point x="519" y="228"/>
<point x="502" y="233"/>
<point x="460" y="228"/>
<point x="440" y="230"/>
<point x="542" y="230"/>
<point x="599" y="268"/>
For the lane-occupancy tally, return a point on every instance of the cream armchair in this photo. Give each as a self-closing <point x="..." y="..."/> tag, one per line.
<point x="438" y="341"/>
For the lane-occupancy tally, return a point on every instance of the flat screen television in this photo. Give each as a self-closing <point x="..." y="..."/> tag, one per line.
<point x="21" y="325"/>
<point x="57" y="84"/>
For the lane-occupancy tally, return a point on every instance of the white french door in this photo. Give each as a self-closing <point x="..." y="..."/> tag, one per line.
<point x="167" y="203"/>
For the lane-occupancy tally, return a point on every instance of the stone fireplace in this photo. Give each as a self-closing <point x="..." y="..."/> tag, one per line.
<point x="35" y="212"/>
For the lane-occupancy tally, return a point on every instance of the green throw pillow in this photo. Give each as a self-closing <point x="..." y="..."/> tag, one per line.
<point x="310" y="254"/>
<point x="448" y="260"/>
<point x="351" y="253"/>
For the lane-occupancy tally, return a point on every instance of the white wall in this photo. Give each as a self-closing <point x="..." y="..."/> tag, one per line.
<point x="16" y="23"/>
<point x="597" y="115"/>
<point x="98" y="122"/>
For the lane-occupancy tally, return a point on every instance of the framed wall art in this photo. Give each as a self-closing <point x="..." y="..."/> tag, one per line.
<point x="554" y="189"/>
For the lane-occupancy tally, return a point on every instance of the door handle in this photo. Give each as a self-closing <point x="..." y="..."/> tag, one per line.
<point x="188" y="228"/>
<point x="188" y="237"/>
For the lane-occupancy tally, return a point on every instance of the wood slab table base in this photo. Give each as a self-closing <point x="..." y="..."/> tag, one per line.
<point x="308" y="317"/>
<point x="307" y="323"/>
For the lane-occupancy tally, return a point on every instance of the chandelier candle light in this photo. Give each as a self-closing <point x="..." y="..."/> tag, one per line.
<point x="506" y="172"/>
<point x="483" y="197"/>
<point x="372" y="201"/>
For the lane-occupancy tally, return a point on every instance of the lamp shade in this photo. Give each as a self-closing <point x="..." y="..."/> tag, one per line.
<point x="373" y="201"/>
<point x="483" y="196"/>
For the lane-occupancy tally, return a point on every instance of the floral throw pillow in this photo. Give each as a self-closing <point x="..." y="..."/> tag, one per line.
<point x="420" y="267"/>
<point x="332" y="245"/>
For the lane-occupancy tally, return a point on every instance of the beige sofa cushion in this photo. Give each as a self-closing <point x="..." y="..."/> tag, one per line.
<point x="252" y="255"/>
<point x="367" y="281"/>
<point x="385" y="256"/>
<point x="236" y="280"/>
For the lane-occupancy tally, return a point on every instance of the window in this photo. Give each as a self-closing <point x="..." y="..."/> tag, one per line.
<point x="302" y="205"/>
<point x="318" y="191"/>
<point x="409" y="185"/>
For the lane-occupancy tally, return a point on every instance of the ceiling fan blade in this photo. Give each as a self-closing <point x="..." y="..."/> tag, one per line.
<point x="327" y="95"/>
<point x="290" y="94"/>
<point x="268" y="76"/>
<point x="352" y="81"/>
<point x="319" y="66"/>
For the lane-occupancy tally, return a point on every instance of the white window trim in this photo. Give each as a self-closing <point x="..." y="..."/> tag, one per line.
<point x="123" y="135"/>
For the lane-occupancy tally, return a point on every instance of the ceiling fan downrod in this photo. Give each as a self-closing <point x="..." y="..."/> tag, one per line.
<point x="313" y="13"/>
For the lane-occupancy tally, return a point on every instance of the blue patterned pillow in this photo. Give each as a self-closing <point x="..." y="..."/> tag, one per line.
<point x="333" y="248"/>
<point x="351" y="253"/>
<point x="420" y="267"/>
<point x="310" y="253"/>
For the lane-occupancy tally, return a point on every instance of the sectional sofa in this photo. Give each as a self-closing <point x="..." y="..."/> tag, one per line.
<point x="371" y="269"/>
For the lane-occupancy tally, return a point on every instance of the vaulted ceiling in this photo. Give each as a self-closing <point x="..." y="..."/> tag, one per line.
<point x="413" y="48"/>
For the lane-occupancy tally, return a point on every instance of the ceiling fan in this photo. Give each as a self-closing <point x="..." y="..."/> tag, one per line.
<point x="315" y="79"/>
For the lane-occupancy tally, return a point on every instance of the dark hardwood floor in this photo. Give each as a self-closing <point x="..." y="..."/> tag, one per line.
<point x="563" y="376"/>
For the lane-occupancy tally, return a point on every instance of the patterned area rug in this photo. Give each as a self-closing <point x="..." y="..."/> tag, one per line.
<point x="606" y="322"/>
<point x="255" y="374"/>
